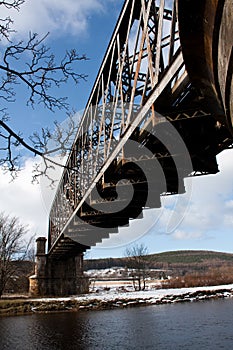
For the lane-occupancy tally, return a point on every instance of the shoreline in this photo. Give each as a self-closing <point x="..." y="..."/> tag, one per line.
<point x="109" y="300"/>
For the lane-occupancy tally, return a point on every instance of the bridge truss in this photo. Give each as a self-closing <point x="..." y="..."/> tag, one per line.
<point x="142" y="96"/>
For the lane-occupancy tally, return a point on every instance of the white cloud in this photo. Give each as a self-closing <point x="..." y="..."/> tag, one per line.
<point x="209" y="207"/>
<point x="229" y="204"/>
<point x="23" y="199"/>
<point x="56" y="16"/>
<point x="228" y="220"/>
<point x="182" y="235"/>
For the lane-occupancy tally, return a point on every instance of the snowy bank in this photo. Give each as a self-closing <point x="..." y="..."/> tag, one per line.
<point x="113" y="300"/>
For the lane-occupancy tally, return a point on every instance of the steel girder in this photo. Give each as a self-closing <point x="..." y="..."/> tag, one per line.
<point x="142" y="81"/>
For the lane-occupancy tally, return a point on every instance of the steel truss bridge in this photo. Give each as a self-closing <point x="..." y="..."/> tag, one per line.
<point x="160" y="110"/>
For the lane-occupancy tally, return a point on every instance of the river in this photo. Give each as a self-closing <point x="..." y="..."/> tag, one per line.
<point x="198" y="325"/>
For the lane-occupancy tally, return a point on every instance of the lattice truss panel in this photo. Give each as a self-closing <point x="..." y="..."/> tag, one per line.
<point x="142" y="59"/>
<point x="142" y="80"/>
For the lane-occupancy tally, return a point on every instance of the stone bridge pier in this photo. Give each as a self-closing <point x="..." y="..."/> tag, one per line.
<point x="55" y="277"/>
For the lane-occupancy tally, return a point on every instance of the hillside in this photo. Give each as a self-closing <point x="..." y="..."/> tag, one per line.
<point x="175" y="269"/>
<point x="187" y="260"/>
<point x="191" y="256"/>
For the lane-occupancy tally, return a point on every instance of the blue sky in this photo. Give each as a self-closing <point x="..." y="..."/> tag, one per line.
<point x="200" y="219"/>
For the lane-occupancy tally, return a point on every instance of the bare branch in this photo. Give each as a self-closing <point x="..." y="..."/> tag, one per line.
<point x="5" y="30"/>
<point x="18" y="138"/>
<point x="12" y="246"/>
<point x="5" y="23"/>
<point x="46" y="145"/>
<point x="12" y="4"/>
<point x="40" y="74"/>
<point x="32" y="64"/>
<point x="137" y="261"/>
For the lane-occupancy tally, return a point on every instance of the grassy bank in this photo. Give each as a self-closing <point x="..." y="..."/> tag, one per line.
<point x="13" y="307"/>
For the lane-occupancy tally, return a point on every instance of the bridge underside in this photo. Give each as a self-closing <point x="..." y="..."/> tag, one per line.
<point x="177" y="116"/>
<point x="197" y="106"/>
<point x="97" y="218"/>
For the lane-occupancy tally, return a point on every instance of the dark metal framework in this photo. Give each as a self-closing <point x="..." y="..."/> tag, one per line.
<point x="141" y="81"/>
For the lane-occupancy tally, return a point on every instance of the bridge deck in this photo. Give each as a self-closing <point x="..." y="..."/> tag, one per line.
<point x="156" y="115"/>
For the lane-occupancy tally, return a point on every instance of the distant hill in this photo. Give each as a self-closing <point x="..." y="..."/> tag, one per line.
<point x="185" y="260"/>
<point x="191" y="256"/>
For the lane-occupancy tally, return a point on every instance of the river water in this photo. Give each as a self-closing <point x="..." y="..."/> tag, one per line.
<point x="198" y="325"/>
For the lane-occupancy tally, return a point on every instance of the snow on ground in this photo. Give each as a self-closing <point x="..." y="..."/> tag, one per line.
<point x="114" y="272"/>
<point x="105" y="273"/>
<point x="157" y="294"/>
<point x="118" y="279"/>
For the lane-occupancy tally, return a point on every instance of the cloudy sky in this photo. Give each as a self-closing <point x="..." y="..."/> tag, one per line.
<point x="200" y="219"/>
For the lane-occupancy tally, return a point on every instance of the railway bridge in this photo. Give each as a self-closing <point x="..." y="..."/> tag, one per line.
<point x="160" y="110"/>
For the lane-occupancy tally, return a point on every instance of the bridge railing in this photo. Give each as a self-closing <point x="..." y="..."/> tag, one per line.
<point x="143" y="60"/>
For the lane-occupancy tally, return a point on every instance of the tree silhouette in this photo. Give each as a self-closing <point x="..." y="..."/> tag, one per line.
<point x="137" y="260"/>
<point x="12" y="247"/>
<point x="30" y="64"/>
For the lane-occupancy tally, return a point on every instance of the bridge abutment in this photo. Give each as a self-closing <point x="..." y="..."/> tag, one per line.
<point x="55" y="277"/>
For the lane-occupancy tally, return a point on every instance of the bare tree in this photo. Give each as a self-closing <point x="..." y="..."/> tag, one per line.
<point x="12" y="247"/>
<point x="137" y="260"/>
<point x="30" y="64"/>
<point x="30" y="254"/>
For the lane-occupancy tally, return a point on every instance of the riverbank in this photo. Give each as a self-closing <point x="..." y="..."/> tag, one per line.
<point x="106" y="300"/>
